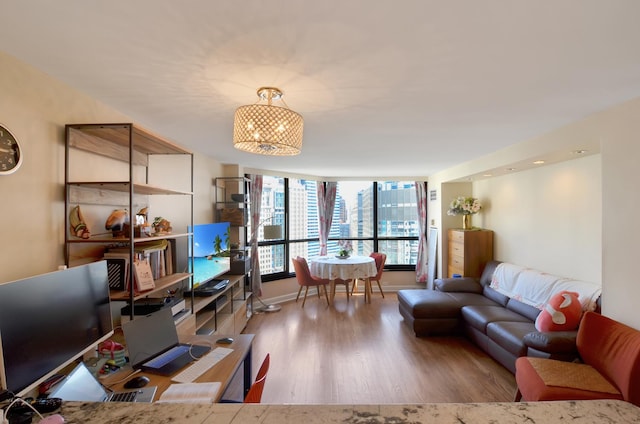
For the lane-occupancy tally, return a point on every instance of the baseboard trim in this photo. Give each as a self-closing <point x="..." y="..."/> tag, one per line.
<point x="341" y="289"/>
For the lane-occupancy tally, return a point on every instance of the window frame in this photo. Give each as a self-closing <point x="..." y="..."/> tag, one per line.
<point x="286" y="242"/>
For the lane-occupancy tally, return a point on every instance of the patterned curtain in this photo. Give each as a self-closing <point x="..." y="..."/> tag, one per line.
<point x="326" y="203"/>
<point x="255" y="198"/>
<point x="421" y="264"/>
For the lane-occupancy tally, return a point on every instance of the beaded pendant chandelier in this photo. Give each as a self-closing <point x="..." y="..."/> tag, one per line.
<point x="266" y="129"/>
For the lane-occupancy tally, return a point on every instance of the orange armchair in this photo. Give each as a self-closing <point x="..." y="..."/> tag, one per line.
<point x="610" y="352"/>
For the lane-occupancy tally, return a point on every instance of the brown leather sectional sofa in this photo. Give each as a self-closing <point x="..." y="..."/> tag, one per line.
<point x="501" y="326"/>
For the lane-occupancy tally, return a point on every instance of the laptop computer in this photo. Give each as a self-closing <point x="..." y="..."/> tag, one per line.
<point x="80" y="385"/>
<point x="152" y="342"/>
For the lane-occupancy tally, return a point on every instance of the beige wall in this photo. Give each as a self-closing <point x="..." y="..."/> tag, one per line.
<point x="35" y="108"/>
<point x="563" y="205"/>
<point x="620" y="135"/>
<point x="548" y="218"/>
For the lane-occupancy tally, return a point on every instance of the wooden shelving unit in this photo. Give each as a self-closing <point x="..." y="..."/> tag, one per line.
<point x="127" y="187"/>
<point x="232" y="205"/>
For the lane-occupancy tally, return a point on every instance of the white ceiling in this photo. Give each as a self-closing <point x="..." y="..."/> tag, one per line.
<point x="402" y="88"/>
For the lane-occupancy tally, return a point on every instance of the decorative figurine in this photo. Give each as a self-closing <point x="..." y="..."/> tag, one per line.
<point x="116" y="222"/>
<point x="161" y="225"/>
<point x="77" y="225"/>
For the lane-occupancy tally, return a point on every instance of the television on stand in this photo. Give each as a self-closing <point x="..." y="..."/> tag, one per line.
<point x="50" y="320"/>
<point x="211" y="254"/>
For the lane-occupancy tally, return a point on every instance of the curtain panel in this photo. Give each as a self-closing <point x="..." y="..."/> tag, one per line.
<point x="326" y="204"/>
<point x="421" y="263"/>
<point x="255" y="197"/>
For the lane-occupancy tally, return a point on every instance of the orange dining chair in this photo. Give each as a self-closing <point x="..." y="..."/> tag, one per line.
<point x="254" y="395"/>
<point x="346" y="285"/>
<point x="303" y="275"/>
<point x="380" y="259"/>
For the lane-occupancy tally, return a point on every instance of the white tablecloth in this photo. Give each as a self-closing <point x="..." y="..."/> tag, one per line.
<point x="330" y="267"/>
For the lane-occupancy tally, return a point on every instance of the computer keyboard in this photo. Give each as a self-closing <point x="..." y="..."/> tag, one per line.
<point x="200" y="366"/>
<point x="124" y="396"/>
<point x="168" y="356"/>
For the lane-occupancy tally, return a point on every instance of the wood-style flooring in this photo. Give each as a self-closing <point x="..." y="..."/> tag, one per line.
<point x="357" y="353"/>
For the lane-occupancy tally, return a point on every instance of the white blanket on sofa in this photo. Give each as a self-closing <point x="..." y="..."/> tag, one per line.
<point x="535" y="288"/>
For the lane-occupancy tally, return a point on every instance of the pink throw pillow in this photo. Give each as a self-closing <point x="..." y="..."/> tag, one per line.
<point x="562" y="313"/>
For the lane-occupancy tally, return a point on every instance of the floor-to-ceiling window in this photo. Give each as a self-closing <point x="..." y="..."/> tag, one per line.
<point x="371" y="215"/>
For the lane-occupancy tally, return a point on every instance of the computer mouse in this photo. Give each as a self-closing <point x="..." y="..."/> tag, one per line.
<point x="225" y="340"/>
<point x="136" y="382"/>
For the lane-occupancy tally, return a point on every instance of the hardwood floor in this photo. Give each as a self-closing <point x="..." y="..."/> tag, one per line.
<point x="356" y="353"/>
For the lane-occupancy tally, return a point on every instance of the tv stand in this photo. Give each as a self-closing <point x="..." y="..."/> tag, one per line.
<point x="224" y="311"/>
<point x="209" y="288"/>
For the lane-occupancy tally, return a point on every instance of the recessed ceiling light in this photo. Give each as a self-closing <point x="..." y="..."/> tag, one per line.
<point x="580" y="152"/>
<point x="538" y="162"/>
<point x="511" y="169"/>
<point x="487" y="175"/>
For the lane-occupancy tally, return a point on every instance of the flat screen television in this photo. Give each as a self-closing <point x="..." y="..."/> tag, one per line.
<point x="48" y="321"/>
<point x="211" y="253"/>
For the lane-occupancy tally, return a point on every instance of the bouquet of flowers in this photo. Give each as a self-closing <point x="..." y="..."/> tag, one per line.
<point x="464" y="206"/>
<point x="345" y="247"/>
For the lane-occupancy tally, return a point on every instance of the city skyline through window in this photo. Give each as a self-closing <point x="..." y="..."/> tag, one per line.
<point x="372" y="216"/>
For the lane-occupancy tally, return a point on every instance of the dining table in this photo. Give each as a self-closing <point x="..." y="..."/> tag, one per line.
<point x="346" y="268"/>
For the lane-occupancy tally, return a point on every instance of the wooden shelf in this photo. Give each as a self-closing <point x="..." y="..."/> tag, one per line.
<point x="125" y="186"/>
<point x="116" y="140"/>
<point x="203" y="319"/>
<point x="161" y="285"/>
<point x="107" y="239"/>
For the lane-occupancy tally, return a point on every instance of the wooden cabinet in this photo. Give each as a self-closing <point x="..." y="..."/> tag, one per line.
<point x="112" y="167"/>
<point x="469" y="251"/>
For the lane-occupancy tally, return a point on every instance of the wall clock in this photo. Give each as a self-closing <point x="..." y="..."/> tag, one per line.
<point x="10" y="152"/>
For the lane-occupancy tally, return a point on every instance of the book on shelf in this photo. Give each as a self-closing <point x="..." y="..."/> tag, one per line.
<point x="158" y="253"/>
<point x="191" y="393"/>
<point x="143" y="276"/>
<point x="117" y="273"/>
<point x="117" y="262"/>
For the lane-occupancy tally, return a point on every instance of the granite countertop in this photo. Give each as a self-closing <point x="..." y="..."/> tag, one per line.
<point x="576" y="412"/>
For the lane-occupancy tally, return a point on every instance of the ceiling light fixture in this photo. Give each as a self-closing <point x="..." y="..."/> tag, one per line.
<point x="538" y="162"/>
<point x="266" y="129"/>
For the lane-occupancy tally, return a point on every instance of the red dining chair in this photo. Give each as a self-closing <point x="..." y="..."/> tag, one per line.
<point x="380" y="259"/>
<point x="303" y="275"/>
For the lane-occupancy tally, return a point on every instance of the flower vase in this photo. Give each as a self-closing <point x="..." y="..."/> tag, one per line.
<point x="466" y="222"/>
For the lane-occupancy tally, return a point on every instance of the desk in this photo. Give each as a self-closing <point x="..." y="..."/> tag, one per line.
<point x="330" y="268"/>
<point x="223" y="371"/>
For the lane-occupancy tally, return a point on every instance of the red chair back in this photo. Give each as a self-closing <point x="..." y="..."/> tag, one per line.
<point x="254" y="395"/>
<point x="303" y="275"/>
<point x="380" y="259"/>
